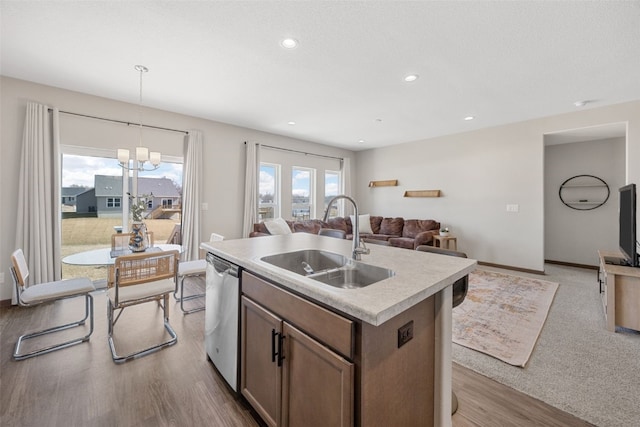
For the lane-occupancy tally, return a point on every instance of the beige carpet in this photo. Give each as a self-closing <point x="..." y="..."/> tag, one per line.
<point x="503" y="315"/>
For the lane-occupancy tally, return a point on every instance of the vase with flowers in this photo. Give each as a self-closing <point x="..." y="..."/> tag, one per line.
<point x="444" y="231"/>
<point x="138" y="206"/>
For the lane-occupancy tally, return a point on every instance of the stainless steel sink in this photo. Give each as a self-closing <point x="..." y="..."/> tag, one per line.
<point x="330" y="268"/>
<point x="353" y="275"/>
<point x="315" y="259"/>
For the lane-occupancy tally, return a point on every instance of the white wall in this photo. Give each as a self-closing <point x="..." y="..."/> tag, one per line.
<point x="479" y="173"/>
<point x="224" y="152"/>
<point x="575" y="236"/>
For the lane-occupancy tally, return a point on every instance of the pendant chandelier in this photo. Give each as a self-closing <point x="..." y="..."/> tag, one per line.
<point x="144" y="160"/>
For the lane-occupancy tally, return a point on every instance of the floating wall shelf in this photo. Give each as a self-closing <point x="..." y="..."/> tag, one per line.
<point x="422" y="193"/>
<point x="387" y="183"/>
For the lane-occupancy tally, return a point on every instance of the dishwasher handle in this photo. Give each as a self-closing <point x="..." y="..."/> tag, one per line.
<point x="222" y="266"/>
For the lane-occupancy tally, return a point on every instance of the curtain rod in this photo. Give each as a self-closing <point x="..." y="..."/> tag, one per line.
<point x="123" y="122"/>
<point x="300" y="152"/>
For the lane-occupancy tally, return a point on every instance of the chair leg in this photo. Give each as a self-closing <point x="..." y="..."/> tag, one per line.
<point x="88" y="315"/>
<point x="165" y="314"/>
<point x="182" y="298"/>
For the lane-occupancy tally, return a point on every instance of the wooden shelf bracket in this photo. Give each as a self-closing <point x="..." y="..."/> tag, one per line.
<point x="422" y="193"/>
<point x="387" y="183"/>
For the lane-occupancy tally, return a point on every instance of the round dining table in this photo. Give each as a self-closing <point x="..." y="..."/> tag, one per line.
<point x="103" y="256"/>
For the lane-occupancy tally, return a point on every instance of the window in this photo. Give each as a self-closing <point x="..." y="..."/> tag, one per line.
<point x="332" y="189"/>
<point x="92" y="178"/>
<point x="295" y="185"/>
<point x="268" y="206"/>
<point x="302" y="185"/>
<point x="114" y="202"/>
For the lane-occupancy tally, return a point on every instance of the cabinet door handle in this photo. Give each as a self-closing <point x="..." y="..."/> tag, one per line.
<point x="274" y="352"/>
<point x="280" y="352"/>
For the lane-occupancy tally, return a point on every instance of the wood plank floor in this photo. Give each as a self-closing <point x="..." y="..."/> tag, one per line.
<point x="177" y="386"/>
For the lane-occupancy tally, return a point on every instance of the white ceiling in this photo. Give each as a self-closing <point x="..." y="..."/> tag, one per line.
<point x="500" y="61"/>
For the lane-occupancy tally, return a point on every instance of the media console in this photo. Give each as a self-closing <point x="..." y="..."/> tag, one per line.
<point x="620" y="291"/>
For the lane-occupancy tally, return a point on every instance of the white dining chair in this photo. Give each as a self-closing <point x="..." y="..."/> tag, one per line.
<point x="192" y="269"/>
<point x="31" y="295"/>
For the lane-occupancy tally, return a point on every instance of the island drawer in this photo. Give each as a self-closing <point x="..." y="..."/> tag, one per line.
<point x="327" y="327"/>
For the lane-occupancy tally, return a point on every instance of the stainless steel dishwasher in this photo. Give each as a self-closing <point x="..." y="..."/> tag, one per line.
<point x="222" y="300"/>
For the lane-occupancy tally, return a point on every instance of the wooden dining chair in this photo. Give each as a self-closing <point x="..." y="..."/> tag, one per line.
<point x="30" y="295"/>
<point x="140" y="278"/>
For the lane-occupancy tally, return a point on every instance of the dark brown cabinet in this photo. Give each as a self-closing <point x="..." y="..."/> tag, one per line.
<point x="289" y="378"/>
<point x="304" y="365"/>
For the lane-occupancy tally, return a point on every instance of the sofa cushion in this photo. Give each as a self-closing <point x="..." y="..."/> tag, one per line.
<point x="375" y="223"/>
<point x="260" y="228"/>
<point x="402" y="242"/>
<point x="338" y="223"/>
<point x="412" y="227"/>
<point x="308" y="226"/>
<point x="384" y="237"/>
<point x="392" y="226"/>
<point x="277" y="226"/>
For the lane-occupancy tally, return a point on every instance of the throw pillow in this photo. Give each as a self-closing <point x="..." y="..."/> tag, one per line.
<point x="277" y="226"/>
<point x="365" y="223"/>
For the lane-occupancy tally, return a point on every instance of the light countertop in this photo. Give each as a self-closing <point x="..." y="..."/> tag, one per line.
<point x="418" y="275"/>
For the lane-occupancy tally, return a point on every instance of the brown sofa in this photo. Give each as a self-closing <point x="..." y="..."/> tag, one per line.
<point x="398" y="232"/>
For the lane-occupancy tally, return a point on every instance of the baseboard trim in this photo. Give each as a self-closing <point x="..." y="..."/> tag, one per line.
<point x="571" y="264"/>
<point x="509" y="267"/>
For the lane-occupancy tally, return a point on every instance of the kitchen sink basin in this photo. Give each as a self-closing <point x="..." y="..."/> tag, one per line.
<point x="313" y="260"/>
<point x="353" y="275"/>
<point x="330" y="268"/>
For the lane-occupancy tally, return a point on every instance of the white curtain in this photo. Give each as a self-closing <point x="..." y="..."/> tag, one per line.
<point x="346" y="186"/>
<point x="191" y="195"/>
<point x="251" y="188"/>
<point x="38" y="226"/>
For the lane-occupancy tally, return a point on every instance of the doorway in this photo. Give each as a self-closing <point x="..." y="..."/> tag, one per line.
<point x="576" y="222"/>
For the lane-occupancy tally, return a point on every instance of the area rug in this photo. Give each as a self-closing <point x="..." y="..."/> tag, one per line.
<point x="503" y="315"/>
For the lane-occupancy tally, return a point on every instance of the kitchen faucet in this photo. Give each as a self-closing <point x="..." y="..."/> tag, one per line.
<point x="358" y="247"/>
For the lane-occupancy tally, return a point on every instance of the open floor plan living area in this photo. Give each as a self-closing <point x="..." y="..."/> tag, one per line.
<point x="319" y="213"/>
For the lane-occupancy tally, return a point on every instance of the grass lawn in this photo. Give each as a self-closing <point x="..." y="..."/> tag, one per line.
<point x="83" y="234"/>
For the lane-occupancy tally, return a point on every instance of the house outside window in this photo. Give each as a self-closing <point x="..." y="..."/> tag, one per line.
<point x="114" y="202"/>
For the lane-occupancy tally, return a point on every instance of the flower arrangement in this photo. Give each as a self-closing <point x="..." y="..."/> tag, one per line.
<point x="444" y="231"/>
<point x="138" y="206"/>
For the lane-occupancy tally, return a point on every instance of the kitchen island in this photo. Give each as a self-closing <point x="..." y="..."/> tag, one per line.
<point x="396" y="366"/>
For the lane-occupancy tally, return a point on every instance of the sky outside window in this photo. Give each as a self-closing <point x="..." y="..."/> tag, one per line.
<point x="81" y="170"/>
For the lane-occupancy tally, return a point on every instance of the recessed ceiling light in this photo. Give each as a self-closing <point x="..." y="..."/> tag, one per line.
<point x="291" y="123"/>
<point x="469" y="118"/>
<point x="580" y="103"/>
<point x="361" y="141"/>
<point x="411" y="78"/>
<point x="379" y="120"/>
<point x="289" y="43"/>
